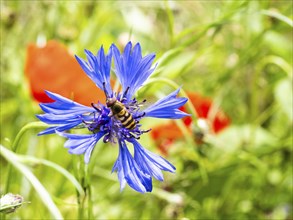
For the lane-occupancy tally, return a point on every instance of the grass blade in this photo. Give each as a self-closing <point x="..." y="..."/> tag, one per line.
<point x="43" y="193"/>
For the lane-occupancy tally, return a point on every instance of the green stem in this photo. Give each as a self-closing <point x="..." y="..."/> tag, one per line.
<point x="85" y="202"/>
<point x="15" y="144"/>
<point x="88" y="185"/>
<point x="82" y="200"/>
<point x="76" y="174"/>
<point x="185" y="132"/>
<point x="81" y="206"/>
<point x="195" y="155"/>
<point x="31" y="125"/>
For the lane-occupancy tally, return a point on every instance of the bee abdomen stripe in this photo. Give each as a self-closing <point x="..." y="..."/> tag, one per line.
<point x="122" y="114"/>
<point x="127" y="122"/>
<point x="131" y="124"/>
<point x="125" y="118"/>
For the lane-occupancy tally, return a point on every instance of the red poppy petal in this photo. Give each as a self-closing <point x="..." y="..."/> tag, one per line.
<point x="53" y="68"/>
<point x="220" y="122"/>
<point x="170" y="132"/>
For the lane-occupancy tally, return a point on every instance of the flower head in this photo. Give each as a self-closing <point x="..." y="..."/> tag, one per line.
<point x="10" y="202"/>
<point x="119" y="120"/>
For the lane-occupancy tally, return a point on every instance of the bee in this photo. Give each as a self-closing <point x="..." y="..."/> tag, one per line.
<point x="120" y="112"/>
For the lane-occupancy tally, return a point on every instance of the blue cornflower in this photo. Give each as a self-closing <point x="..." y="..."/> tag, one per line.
<point x="119" y="120"/>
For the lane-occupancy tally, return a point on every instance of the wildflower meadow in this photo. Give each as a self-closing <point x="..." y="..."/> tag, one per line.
<point x="146" y="110"/>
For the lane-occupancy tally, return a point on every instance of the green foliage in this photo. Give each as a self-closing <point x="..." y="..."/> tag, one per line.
<point x="237" y="52"/>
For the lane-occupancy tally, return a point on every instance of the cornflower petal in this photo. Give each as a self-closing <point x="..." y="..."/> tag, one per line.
<point x="131" y="68"/>
<point x="57" y="119"/>
<point x="151" y="163"/>
<point x="63" y="106"/>
<point x="81" y="144"/>
<point x="54" y="129"/>
<point x="167" y="107"/>
<point x="130" y="172"/>
<point x="63" y="112"/>
<point x="120" y="171"/>
<point x="98" y="68"/>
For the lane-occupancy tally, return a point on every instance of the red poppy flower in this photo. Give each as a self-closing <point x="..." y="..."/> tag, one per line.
<point x="165" y="134"/>
<point x="54" y="69"/>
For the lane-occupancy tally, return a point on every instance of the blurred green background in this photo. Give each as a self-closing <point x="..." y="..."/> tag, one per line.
<point x="237" y="52"/>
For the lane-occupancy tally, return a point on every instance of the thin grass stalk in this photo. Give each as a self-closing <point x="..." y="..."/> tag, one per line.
<point x="15" y="146"/>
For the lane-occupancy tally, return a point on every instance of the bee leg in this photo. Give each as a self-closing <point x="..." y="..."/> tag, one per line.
<point x="83" y="121"/>
<point x="145" y="131"/>
<point x="90" y="126"/>
<point x="142" y="102"/>
<point x="140" y="116"/>
<point x="132" y="136"/>
<point x="96" y="107"/>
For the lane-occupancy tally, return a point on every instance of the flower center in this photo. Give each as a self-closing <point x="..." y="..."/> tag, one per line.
<point x="118" y="119"/>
